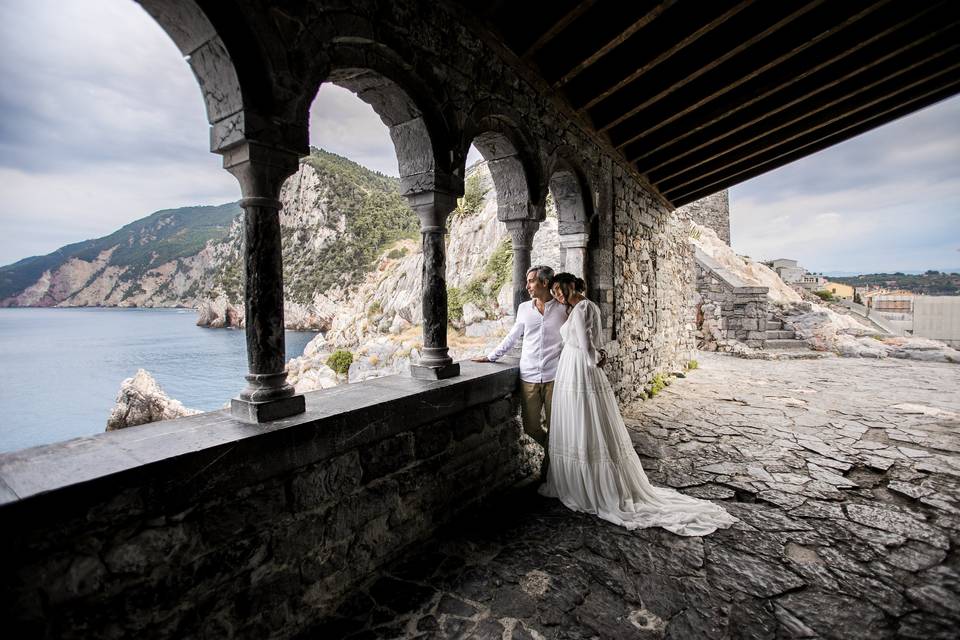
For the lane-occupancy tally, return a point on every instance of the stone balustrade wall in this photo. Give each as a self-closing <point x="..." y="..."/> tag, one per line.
<point x="206" y="527"/>
<point x="739" y="311"/>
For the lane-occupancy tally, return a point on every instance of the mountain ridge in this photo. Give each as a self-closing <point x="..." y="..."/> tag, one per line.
<point x="337" y="215"/>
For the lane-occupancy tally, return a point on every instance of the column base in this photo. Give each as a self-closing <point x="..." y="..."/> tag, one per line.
<point x="424" y="372"/>
<point x="257" y="412"/>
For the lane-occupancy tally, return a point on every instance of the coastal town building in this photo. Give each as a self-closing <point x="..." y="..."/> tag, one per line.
<point x="839" y="290"/>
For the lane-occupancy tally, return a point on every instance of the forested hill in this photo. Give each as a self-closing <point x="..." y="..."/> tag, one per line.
<point x="337" y="215"/>
<point x="159" y="238"/>
<point x="931" y="283"/>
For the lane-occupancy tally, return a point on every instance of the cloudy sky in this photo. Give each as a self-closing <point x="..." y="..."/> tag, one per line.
<point x="101" y="123"/>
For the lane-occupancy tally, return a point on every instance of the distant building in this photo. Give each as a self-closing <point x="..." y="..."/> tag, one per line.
<point x="812" y="281"/>
<point x="839" y="290"/>
<point x="938" y="318"/>
<point x="788" y="270"/>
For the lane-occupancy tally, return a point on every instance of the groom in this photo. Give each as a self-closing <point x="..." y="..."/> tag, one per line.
<point x="538" y="323"/>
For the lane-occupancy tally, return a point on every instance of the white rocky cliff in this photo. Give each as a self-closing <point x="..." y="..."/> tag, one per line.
<point x="141" y="400"/>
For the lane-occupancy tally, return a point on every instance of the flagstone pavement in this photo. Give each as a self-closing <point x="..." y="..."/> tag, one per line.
<point x="844" y="474"/>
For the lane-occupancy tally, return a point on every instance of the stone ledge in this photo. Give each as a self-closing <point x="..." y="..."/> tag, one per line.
<point x="184" y="457"/>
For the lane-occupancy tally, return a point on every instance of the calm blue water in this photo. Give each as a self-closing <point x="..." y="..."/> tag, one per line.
<point x="60" y="369"/>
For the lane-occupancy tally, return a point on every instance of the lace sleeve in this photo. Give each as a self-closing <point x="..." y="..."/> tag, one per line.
<point x="583" y="327"/>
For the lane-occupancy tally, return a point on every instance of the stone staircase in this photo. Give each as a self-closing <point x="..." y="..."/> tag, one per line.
<point x="779" y="337"/>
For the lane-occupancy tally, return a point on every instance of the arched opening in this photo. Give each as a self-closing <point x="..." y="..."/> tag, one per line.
<point x="119" y="151"/>
<point x="574" y="204"/>
<point x="352" y="255"/>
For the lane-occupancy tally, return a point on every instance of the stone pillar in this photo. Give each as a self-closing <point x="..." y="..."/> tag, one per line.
<point x="521" y="234"/>
<point x="261" y="171"/>
<point x="573" y="247"/>
<point x="433" y="207"/>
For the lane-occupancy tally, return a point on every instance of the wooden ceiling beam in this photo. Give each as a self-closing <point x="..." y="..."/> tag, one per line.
<point x="781" y="92"/>
<point x="808" y="116"/>
<point x="917" y="96"/>
<point x="557" y="27"/>
<point x="824" y="143"/>
<point x="789" y="63"/>
<point x="669" y="53"/>
<point x="614" y="42"/>
<point x="640" y="97"/>
<point x="647" y="47"/>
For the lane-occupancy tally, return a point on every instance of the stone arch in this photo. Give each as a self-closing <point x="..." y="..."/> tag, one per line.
<point x="572" y="195"/>
<point x="574" y="201"/>
<point x="419" y="131"/>
<point x="509" y="157"/>
<point x="235" y="78"/>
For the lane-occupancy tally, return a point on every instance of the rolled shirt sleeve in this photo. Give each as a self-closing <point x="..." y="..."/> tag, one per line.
<point x="516" y="332"/>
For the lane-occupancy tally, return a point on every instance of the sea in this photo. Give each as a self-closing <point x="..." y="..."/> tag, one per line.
<point x="61" y="369"/>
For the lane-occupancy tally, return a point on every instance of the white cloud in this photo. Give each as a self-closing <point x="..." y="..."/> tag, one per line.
<point x="888" y="200"/>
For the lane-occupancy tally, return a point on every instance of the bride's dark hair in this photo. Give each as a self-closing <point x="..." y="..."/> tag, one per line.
<point x="568" y="284"/>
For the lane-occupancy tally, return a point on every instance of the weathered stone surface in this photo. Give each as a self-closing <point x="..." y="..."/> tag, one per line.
<point x="735" y="571"/>
<point x="896" y="522"/>
<point x="141" y="401"/>
<point x="836" y="616"/>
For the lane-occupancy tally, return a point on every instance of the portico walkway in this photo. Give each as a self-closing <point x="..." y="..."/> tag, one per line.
<point x="845" y="475"/>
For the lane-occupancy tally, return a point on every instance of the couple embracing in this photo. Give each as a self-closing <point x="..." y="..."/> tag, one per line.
<point x="589" y="461"/>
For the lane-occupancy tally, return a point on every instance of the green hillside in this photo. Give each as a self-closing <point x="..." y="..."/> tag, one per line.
<point x="375" y="214"/>
<point x="160" y="237"/>
<point x="364" y="208"/>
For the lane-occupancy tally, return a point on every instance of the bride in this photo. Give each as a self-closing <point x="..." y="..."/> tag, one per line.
<point x="593" y="466"/>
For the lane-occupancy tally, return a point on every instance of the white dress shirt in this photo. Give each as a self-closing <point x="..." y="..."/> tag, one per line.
<point x="541" y="341"/>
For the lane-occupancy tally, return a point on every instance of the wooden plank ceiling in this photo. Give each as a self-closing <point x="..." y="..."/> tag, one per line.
<point x="699" y="96"/>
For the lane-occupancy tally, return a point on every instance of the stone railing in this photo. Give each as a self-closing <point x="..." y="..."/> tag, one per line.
<point x="876" y="319"/>
<point x="739" y="310"/>
<point x="209" y="527"/>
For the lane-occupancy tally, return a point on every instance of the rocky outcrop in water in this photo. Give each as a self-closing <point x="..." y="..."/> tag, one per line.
<point x="141" y="400"/>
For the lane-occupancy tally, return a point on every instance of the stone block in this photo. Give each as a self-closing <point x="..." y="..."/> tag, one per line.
<point x="470" y="422"/>
<point x="326" y="481"/>
<point x="432" y="438"/>
<point x="386" y="456"/>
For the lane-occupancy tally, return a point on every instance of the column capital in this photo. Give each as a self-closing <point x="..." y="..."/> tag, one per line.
<point x="260" y="169"/>
<point x="432" y="207"/>
<point x="574" y="240"/>
<point x="522" y="232"/>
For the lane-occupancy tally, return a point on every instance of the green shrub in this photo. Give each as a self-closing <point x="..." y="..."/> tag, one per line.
<point x="396" y="254"/>
<point x="693" y="364"/>
<point x="374" y="309"/>
<point x="658" y="384"/>
<point x="454" y="304"/>
<point x="340" y="361"/>
<point x="826" y="296"/>
<point x="500" y="265"/>
<point x="473" y="194"/>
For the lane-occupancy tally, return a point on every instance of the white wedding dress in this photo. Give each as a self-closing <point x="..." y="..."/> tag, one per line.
<point x="593" y="466"/>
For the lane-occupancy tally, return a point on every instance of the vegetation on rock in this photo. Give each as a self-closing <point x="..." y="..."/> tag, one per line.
<point x="473" y="194"/>
<point x="340" y="361"/>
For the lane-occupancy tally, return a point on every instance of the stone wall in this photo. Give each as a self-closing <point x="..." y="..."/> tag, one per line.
<point x="713" y="212"/>
<point x="206" y="527"/>
<point x="653" y="278"/>
<point x="729" y="309"/>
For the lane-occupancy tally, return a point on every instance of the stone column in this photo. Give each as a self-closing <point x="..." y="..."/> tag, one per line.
<point x="521" y="233"/>
<point x="573" y="246"/>
<point x="261" y="171"/>
<point x="432" y="208"/>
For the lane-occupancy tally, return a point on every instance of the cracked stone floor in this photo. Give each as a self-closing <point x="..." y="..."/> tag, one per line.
<point x="844" y="473"/>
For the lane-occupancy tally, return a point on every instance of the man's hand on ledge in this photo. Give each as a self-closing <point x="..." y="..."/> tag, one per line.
<point x="480" y="359"/>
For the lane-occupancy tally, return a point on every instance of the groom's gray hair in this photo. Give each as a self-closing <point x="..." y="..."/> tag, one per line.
<point x="544" y="273"/>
